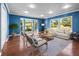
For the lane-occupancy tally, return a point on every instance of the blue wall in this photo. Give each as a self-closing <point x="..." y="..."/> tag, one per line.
<point x="47" y="23"/>
<point x="75" y="20"/>
<point x="16" y="19"/>
<point x="0" y="26"/>
<point x="40" y="27"/>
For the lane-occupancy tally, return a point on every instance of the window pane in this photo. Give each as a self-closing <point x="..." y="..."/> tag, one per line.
<point x="22" y="24"/>
<point x="66" y="23"/>
<point x="28" y="25"/>
<point x="63" y="24"/>
<point x="54" y="24"/>
<point x="35" y="25"/>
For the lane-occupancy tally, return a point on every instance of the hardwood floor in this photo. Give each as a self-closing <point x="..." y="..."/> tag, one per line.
<point x="16" y="47"/>
<point x="71" y="50"/>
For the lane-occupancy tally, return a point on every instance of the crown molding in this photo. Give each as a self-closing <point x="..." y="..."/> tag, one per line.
<point x="7" y="7"/>
<point x="63" y="13"/>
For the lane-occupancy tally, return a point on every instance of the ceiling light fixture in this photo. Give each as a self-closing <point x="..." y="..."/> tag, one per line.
<point x="42" y="15"/>
<point x="32" y="6"/>
<point x="50" y="12"/>
<point x="67" y="6"/>
<point x="26" y="12"/>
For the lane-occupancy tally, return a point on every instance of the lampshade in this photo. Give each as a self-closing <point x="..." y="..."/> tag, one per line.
<point x="42" y="24"/>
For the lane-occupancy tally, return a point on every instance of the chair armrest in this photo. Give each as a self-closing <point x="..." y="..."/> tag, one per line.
<point x="40" y="40"/>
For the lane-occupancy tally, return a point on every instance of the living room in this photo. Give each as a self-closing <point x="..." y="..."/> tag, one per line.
<point x="39" y="21"/>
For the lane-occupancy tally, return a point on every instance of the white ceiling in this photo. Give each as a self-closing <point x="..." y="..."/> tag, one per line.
<point x="41" y="8"/>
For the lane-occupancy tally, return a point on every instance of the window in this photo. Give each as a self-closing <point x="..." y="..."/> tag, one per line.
<point x="64" y="23"/>
<point x="28" y="24"/>
<point x="22" y="24"/>
<point x="54" y="23"/>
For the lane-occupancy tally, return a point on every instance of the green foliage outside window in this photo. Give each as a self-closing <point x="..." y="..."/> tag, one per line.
<point x="35" y="25"/>
<point x="66" y="21"/>
<point x="54" y="23"/>
<point x="28" y="26"/>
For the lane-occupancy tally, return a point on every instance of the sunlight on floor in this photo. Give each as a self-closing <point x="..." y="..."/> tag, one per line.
<point x="21" y="43"/>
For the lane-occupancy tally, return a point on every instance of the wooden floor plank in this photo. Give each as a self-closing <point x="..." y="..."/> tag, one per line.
<point x="16" y="47"/>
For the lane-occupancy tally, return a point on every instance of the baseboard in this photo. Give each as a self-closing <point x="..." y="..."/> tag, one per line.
<point x="16" y="35"/>
<point x="10" y="36"/>
<point x="7" y="38"/>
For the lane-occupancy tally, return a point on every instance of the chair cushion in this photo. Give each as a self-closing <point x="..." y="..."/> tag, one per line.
<point x="38" y="41"/>
<point x="41" y="42"/>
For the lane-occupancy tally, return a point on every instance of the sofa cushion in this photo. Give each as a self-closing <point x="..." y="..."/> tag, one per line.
<point x="61" y="35"/>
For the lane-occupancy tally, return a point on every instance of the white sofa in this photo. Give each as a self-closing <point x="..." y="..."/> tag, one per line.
<point x="60" y="33"/>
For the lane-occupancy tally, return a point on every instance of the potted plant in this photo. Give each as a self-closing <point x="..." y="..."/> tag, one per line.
<point x="13" y="27"/>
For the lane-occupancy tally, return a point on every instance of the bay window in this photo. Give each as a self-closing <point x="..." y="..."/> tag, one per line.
<point x="62" y="24"/>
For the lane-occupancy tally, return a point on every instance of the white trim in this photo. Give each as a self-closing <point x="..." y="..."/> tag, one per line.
<point x="3" y="33"/>
<point x="53" y="15"/>
<point x="7" y="38"/>
<point x="16" y="35"/>
<point x="4" y="43"/>
<point x="62" y="13"/>
<point x="7" y="8"/>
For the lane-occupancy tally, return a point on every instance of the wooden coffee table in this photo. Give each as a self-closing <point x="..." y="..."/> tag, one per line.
<point x="47" y="37"/>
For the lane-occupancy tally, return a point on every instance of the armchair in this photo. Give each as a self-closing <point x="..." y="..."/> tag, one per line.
<point x="36" y="42"/>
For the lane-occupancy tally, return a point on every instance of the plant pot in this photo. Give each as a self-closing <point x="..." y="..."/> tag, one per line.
<point x="14" y="34"/>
